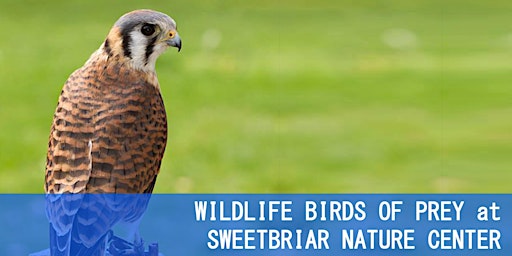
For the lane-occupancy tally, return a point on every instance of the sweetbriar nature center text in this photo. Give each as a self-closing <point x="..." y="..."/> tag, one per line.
<point x="339" y="211"/>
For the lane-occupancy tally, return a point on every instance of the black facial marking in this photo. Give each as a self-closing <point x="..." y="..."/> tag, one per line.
<point x="149" y="48"/>
<point x="127" y="40"/>
<point x="126" y="28"/>
<point x="107" y="48"/>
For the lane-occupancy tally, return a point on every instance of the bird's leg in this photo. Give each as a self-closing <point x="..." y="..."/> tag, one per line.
<point x="138" y="244"/>
<point x="118" y="246"/>
<point x="121" y="247"/>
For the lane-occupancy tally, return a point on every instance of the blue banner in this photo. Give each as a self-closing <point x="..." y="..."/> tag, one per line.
<point x="239" y="224"/>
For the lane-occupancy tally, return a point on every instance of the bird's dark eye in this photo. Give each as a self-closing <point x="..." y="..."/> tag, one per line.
<point x="147" y="29"/>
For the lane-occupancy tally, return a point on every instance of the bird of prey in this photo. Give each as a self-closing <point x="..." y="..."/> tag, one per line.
<point x="108" y="134"/>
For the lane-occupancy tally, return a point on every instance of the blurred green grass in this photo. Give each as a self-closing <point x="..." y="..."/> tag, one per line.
<point x="287" y="96"/>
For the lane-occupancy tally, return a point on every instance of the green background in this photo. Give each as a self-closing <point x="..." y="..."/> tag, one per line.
<point x="287" y="96"/>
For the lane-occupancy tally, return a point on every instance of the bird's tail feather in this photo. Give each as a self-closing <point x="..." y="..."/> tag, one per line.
<point x="65" y="246"/>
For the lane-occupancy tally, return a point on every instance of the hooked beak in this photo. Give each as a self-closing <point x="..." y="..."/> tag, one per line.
<point x="174" y="42"/>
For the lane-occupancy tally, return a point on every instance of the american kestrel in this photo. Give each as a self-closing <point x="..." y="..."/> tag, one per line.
<point x="109" y="130"/>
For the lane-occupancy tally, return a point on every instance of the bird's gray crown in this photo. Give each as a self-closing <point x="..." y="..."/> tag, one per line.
<point x="128" y="21"/>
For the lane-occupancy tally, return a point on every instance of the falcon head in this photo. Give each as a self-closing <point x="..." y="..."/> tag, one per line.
<point x="140" y="36"/>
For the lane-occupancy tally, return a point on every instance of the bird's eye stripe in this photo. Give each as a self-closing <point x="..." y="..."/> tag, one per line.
<point x="149" y="48"/>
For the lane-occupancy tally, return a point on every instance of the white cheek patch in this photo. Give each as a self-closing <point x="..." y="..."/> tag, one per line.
<point x="138" y="49"/>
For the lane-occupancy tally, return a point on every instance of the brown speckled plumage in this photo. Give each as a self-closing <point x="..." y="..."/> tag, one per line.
<point x="109" y="130"/>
